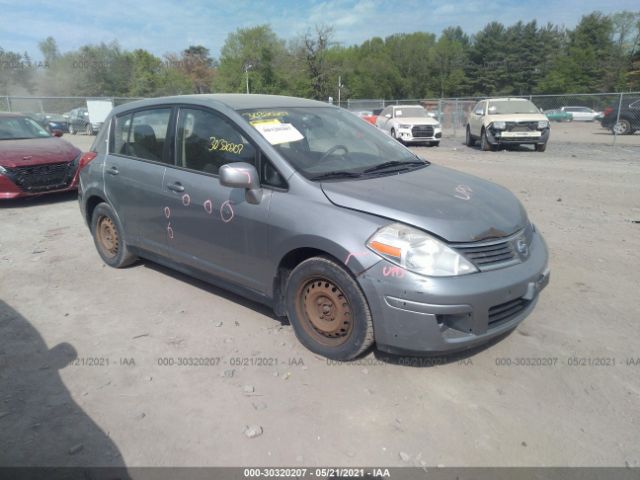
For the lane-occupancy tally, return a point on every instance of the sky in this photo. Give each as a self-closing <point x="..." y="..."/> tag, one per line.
<point x="163" y="26"/>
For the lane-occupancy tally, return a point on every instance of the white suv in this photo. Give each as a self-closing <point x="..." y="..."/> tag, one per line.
<point x="507" y="121"/>
<point x="410" y="124"/>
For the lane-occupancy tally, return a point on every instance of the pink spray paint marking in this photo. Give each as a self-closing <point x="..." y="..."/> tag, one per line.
<point x="208" y="206"/>
<point x="393" y="271"/>
<point x="170" y="231"/>
<point x="229" y="208"/>
<point x="167" y="212"/>
<point x="186" y="200"/>
<point x="356" y="255"/>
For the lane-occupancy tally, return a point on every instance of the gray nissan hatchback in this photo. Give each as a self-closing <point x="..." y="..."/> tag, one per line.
<point x="304" y="207"/>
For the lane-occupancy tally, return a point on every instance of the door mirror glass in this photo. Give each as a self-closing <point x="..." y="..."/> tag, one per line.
<point x="388" y="115"/>
<point x="478" y="111"/>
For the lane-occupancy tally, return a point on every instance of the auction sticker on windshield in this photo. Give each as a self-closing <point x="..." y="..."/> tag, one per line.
<point x="278" y="133"/>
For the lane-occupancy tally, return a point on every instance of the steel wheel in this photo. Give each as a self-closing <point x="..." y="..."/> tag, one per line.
<point x="325" y="312"/>
<point x="107" y="236"/>
<point x="622" y="127"/>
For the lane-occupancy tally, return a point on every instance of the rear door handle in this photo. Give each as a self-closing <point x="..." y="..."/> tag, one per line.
<point x="176" y="187"/>
<point x="113" y="171"/>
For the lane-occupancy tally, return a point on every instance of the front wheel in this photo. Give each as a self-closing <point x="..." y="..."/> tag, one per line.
<point x="108" y="238"/>
<point x="89" y="129"/>
<point x="72" y="130"/>
<point x="484" y="141"/>
<point x="327" y="310"/>
<point x="434" y="144"/>
<point x="469" y="140"/>
<point x="541" y="147"/>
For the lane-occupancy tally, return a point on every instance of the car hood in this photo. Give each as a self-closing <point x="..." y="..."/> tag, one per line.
<point x="449" y="204"/>
<point x="516" y="117"/>
<point x="35" y="151"/>
<point x="417" y="120"/>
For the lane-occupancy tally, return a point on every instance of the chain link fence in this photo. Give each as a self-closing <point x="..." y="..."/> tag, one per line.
<point x="608" y="118"/>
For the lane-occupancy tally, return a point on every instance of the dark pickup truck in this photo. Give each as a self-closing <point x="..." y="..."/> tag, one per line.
<point x="629" y="121"/>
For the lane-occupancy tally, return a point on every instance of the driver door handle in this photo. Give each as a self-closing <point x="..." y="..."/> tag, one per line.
<point x="176" y="187"/>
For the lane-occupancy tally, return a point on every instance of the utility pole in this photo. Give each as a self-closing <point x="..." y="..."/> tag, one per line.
<point x="339" y="87"/>
<point x="247" y="66"/>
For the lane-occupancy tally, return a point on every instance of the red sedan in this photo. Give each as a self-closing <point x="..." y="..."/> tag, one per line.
<point x="32" y="161"/>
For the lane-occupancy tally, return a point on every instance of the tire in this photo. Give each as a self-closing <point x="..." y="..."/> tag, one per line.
<point x="393" y="134"/>
<point x="469" y="140"/>
<point x="623" y="127"/>
<point x="72" y="130"/>
<point x="327" y="310"/>
<point x="434" y="144"/>
<point x="541" y="147"/>
<point x="108" y="238"/>
<point x="88" y="129"/>
<point x="484" y="141"/>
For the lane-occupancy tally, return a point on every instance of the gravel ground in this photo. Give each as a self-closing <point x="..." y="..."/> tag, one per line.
<point x="83" y="348"/>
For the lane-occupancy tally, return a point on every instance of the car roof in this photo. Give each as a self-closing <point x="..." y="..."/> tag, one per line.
<point x="235" y="101"/>
<point x="11" y="115"/>
<point x="508" y="99"/>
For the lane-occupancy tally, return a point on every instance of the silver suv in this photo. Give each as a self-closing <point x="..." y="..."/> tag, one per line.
<point x="304" y="207"/>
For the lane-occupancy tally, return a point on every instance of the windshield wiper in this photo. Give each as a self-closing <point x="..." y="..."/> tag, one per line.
<point x="394" y="163"/>
<point x="336" y="174"/>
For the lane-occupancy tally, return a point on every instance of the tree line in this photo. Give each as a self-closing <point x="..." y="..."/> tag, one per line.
<point x="601" y="54"/>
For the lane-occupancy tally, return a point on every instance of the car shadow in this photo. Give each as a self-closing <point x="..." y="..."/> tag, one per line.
<point x="39" y="200"/>
<point x="40" y="423"/>
<point x="214" y="290"/>
<point x="425" y="360"/>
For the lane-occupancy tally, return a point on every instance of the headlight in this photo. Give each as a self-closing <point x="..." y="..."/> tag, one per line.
<point x="543" y="123"/>
<point x="402" y="125"/>
<point x="419" y="252"/>
<point x="499" y="125"/>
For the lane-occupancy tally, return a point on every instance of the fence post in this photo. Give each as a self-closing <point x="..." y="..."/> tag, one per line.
<point x="9" y="103"/>
<point x="615" y="133"/>
<point x="455" y="117"/>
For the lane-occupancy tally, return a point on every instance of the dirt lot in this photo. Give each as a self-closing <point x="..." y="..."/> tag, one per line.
<point x="82" y="348"/>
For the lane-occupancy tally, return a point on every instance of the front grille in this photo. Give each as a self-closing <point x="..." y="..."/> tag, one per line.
<point x="506" y="311"/>
<point x="422" y="131"/>
<point x="41" y="178"/>
<point x="521" y="126"/>
<point x="488" y="254"/>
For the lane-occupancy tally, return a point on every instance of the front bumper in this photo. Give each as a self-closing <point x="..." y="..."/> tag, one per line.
<point x="501" y="137"/>
<point x="417" y="314"/>
<point x="406" y="135"/>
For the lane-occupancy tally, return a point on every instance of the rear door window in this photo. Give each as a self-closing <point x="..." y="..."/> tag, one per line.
<point x="142" y="134"/>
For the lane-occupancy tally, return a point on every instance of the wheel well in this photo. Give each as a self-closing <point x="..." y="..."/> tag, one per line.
<point x="92" y="203"/>
<point x="290" y="261"/>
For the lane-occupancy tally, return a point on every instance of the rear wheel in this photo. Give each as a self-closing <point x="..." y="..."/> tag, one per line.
<point x="469" y="140"/>
<point x="328" y="311"/>
<point x="622" y="127"/>
<point x="108" y="238"/>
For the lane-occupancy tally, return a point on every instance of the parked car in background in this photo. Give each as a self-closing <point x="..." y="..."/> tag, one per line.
<point x="558" y="115"/>
<point x="583" y="114"/>
<point x="302" y="206"/>
<point x="51" y="121"/>
<point x="410" y="124"/>
<point x="79" y="122"/>
<point x="507" y="121"/>
<point x="32" y="161"/>
<point x="367" y="116"/>
<point x="629" y="121"/>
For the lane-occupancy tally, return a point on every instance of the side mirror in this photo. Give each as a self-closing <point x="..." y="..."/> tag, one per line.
<point x="479" y="112"/>
<point x="242" y="175"/>
<point x="388" y="115"/>
<point x="56" y="133"/>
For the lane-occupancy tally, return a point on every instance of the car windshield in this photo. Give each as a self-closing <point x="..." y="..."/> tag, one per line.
<point x="17" y="128"/>
<point x="506" y="107"/>
<point x="330" y="142"/>
<point x="412" y="112"/>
